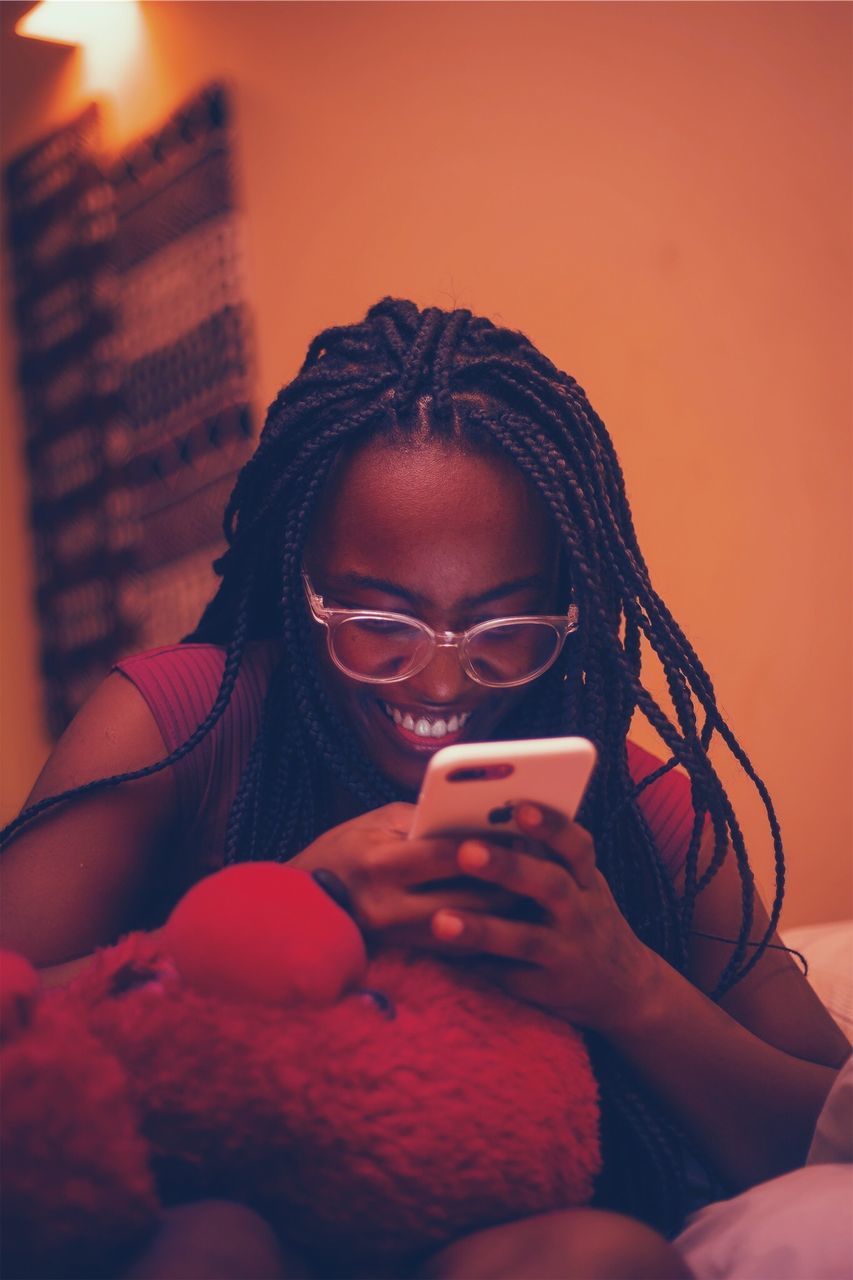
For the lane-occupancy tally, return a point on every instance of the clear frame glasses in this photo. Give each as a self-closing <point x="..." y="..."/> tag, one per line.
<point x="381" y="648"/>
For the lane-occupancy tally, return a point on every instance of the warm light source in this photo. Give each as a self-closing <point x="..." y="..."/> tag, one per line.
<point x="108" y="31"/>
<point x="67" y="21"/>
<point x="49" y="20"/>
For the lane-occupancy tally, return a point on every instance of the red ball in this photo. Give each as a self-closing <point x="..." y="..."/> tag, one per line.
<point x="19" y="988"/>
<point x="267" y="933"/>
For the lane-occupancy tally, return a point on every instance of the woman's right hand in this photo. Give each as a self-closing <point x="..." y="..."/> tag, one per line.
<point x="395" y="884"/>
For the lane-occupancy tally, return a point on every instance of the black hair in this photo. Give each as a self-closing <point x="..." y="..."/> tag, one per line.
<point x="402" y="372"/>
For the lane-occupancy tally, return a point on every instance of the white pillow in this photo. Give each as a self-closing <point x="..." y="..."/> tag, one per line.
<point x="833" y="1135"/>
<point x="797" y="1227"/>
<point x="828" y="948"/>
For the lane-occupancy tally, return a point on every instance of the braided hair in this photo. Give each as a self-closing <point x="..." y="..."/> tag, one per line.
<point x="399" y="373"/>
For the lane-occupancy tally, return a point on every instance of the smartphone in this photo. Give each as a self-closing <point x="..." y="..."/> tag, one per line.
<point x="473" y="788"/>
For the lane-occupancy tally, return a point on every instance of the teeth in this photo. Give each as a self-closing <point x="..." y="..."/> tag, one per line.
<point x="423" y="726"/>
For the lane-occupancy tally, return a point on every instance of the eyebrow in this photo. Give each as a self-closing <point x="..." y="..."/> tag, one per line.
<point x="366" y="581"/>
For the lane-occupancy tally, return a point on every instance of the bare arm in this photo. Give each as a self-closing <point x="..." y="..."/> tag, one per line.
<point x="79" y="876"/>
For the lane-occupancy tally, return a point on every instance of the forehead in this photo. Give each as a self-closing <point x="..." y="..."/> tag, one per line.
<point x="432" y="517"/>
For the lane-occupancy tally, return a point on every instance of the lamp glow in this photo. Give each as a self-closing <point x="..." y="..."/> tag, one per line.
<point x="109" y="33"/>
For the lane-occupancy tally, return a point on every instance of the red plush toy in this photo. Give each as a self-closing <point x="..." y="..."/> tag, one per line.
<point x="372" y="1110"/>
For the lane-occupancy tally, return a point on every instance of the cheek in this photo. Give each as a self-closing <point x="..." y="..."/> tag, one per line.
<point x="332" y="677"/>
<point x="322" y="658"/>
<point x="502" y="703"/>
<point x="347" y="695"/>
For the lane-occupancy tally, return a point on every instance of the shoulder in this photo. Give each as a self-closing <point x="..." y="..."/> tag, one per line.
<point x="180" y="684"/>
<point x="642" y="764"/>
<point x="112" y="732"/>
<point x="81" y="874"/>
<point x="666" y="805"/>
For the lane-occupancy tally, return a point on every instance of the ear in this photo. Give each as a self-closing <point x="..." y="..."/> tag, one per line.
<point x="266" y="933"/>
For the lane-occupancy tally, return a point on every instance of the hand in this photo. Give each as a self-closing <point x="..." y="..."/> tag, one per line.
<point x="581" y="960"/>
<point x="397" y="885"/>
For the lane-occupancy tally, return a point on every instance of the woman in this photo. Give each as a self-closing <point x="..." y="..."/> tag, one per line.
<point x="432" y="466"/>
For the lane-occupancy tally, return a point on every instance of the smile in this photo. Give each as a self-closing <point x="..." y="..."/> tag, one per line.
<point x="423" y="725"/>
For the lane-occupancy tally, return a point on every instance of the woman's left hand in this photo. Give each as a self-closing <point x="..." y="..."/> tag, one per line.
<point x="581" y="960"/>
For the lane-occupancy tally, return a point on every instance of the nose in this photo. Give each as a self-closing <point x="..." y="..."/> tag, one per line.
<point x="443" y="680"/>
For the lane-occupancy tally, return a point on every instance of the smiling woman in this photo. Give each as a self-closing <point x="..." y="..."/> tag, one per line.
<point x="433" y="544"/>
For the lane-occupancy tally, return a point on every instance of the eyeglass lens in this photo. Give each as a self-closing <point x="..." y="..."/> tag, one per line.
<point x="385" y="649"/>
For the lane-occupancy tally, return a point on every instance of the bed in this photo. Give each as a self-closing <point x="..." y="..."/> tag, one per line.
<point x="799" y="1226"/>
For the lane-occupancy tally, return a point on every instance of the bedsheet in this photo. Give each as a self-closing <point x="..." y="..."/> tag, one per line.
<point x="798" y="1226"/>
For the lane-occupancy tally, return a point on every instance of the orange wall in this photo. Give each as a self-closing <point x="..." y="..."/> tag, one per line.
<point x="660" y="195"/>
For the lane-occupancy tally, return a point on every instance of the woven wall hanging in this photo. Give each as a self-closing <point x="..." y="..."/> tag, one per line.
<point x="61" y="231"/>
<point x="134" y="370"/>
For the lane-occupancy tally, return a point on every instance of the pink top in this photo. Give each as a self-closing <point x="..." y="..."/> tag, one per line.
<point x="180" y="682"/>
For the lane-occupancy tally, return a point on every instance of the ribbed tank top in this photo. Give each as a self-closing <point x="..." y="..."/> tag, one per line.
<point x="179" y="684"/>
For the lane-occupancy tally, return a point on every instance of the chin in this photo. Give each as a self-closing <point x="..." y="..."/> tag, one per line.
<point x="407" y="777"/>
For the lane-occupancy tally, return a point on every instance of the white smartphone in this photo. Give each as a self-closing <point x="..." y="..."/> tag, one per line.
<point x="473" y="788"/>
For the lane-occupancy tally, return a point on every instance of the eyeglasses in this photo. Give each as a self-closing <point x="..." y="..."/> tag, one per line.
<point x="382" y="648"/>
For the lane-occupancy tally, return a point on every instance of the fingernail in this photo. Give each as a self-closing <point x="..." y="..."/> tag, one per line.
<point x="473" y="854"/>
<point x="529" y="815"/>
<point x="444" y="925"/>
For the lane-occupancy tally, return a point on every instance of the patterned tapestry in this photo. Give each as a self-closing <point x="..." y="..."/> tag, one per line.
<point x="60" y="233"/>
<point x="182" y="328"/>
<point x="135" y="377"/>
